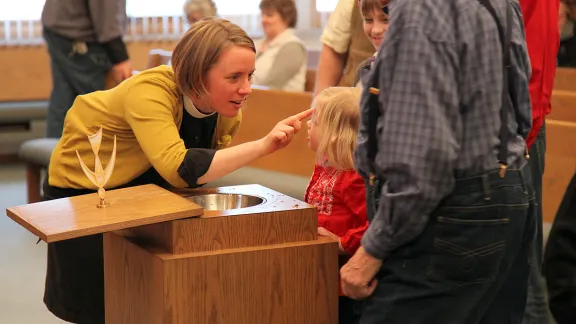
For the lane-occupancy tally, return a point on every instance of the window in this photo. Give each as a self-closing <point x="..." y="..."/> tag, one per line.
<point x="32" y="9"/>
<point x="237" y="7"/>
<point x="326" y="5"/>
<point x="21" y="10"/>
<point x="155" y="8"/>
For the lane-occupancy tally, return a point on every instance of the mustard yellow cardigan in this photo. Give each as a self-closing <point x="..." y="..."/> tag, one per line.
<point x="145" y="114"/>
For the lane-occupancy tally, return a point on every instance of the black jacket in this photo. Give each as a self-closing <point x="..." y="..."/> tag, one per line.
<point x="560" y="259"/>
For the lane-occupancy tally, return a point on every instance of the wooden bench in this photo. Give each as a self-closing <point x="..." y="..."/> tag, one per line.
<point x="563" y="105"/>
<point x="565" y="79"/>
<point x="265" y="108"/>
<point x="560" y="164"/>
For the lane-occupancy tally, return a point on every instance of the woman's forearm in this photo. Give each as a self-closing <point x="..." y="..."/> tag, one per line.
<point x="233" y="158"/>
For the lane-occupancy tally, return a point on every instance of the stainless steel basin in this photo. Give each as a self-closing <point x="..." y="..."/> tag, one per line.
<point x="221" y="201"/>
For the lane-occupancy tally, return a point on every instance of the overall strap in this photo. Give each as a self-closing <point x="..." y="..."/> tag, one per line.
<point x="505" y="39"/>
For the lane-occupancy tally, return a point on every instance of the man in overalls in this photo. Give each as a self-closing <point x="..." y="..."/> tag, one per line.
<point x="445" y="114"/>
<point x="84" y="41"/>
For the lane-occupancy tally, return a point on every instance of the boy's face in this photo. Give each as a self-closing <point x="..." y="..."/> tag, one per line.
<point x="375" y="25"/>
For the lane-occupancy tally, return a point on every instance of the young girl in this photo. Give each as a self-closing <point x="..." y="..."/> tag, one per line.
<point x="375" y="22"/>
<point x="335" y="188"/>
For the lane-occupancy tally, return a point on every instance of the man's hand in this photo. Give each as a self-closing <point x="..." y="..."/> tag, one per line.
<point x="357" y="276"/>
<point x="121" y="71"/>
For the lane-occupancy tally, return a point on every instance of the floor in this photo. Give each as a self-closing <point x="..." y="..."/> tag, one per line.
<point x="23" y="262"/>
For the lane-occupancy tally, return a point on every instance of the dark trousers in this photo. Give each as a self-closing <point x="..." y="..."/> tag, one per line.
<point x="537" y="304"/>
<point x="73" y="74"/>
<point x="560" y="259"/>
<point x="75" y="273"/>
<point x="349" y="310"/>
<point x="470" y="264"/>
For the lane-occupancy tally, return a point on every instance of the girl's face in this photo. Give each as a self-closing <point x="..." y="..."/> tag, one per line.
<point x="375" y="25"/>
<point x="314" y="130"/>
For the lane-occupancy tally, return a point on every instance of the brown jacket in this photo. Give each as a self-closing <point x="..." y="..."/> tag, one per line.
<point x="359" y="49"/>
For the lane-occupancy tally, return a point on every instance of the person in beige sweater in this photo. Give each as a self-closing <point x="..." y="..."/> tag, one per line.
<point x="281" y="57"/>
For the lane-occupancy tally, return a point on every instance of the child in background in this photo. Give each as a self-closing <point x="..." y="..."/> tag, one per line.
<point x="375" y="22"/>
<point x="337" y="191"/>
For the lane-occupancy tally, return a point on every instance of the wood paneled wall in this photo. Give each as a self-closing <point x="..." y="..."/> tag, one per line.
<point x="25" y="70"/>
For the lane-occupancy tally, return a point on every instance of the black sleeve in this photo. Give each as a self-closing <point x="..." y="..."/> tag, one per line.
<point x="116" y="50"/>
<point x="560" y="259"/>
<point x="109" y="22"/>
<point x="196" y="163"/>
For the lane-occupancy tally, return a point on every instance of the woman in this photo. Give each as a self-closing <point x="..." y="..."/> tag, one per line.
<point x="172" y="128"/>
<point x="196" y="10"/>
<point x="281" y="58"/>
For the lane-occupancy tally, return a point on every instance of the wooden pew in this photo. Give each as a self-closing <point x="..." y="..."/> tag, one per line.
<point x="563" y="105"/>
<point x="560" y="164"/>
<point x="265" y="108"/>
<point x="565" y="79"/>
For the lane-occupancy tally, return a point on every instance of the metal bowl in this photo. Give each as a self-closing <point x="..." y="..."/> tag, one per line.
<point x="225" y="201"/>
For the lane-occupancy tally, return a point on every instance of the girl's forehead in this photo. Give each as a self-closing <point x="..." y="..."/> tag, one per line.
<point x="317" y="109"/>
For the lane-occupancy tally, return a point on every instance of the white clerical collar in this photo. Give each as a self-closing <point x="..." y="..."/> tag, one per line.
<point x="193" y="111"/>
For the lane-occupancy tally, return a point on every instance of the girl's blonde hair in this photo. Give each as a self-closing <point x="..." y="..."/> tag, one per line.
<point x="337" y="112"/>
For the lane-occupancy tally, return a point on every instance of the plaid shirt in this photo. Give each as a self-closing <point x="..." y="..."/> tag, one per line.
<point x="440" y="76"/>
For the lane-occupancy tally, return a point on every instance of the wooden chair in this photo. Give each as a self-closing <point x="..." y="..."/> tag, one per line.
<point x="157" y="57"/>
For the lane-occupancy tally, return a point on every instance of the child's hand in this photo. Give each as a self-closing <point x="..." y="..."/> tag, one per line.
<point x="326" y="233"/>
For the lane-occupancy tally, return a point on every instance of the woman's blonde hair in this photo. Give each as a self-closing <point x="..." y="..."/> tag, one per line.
<point x="337" y="112"/>
<point x="199" y="50"/>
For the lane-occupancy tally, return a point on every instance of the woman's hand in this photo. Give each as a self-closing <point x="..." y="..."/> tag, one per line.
<point x="284" y="131"/>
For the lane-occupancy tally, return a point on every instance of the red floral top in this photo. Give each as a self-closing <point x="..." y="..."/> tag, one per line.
<point x="340" y="198"/>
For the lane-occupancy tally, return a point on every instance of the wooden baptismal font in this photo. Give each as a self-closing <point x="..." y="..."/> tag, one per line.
<point x="230" y="255"/>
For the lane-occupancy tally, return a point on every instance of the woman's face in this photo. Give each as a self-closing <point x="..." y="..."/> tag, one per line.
<point x="228" y="82"/>
<point x="272" y="23"/>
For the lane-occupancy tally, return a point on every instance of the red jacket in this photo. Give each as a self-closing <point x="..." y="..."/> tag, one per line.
<point x="340" y="199"/>
<point x="543" y="38"/>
